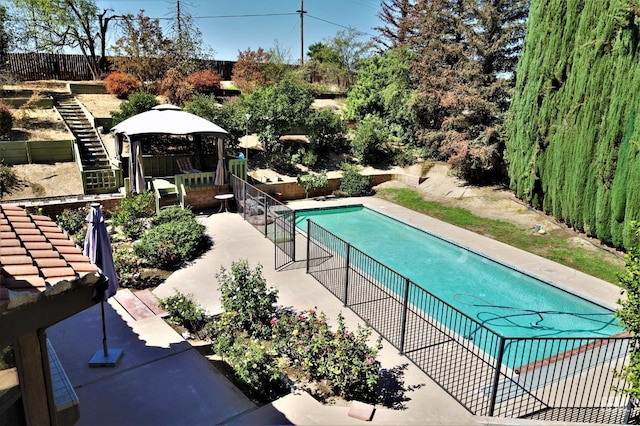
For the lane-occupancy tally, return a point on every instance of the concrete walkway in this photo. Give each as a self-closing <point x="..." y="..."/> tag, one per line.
<point x="162" y="380"/>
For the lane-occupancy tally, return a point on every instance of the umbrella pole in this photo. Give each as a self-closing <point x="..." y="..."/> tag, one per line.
<point x="105" y="350"/>
<point x="105" y="357"/>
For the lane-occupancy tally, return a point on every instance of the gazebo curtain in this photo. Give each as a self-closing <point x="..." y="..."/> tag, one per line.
<point x="136" y="169"/>
<point x="220" y="171"/>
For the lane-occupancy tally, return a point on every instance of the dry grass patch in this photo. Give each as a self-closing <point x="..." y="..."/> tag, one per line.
<point x="100" y="106"/>
<point x="38" y="125"/>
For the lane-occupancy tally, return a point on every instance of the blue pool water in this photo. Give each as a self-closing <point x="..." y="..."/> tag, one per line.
<point x="506" y="301"/>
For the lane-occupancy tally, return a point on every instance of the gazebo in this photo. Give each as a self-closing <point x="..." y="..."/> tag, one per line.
<point x="173" y="150"/>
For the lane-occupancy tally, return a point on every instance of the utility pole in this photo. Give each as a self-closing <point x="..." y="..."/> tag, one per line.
<point x="179" y="19"/>
<point x="301" y="12"/>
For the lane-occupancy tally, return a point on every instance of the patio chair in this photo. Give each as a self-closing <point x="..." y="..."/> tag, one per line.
<point x="185" y="166"/>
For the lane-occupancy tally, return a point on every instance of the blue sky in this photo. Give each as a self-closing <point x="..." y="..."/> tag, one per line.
<point x="227" y="28"/>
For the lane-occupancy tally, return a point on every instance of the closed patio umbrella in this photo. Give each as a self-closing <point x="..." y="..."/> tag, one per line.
<point x="97" y="247"/>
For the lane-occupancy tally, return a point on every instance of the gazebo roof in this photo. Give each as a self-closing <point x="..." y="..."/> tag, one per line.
<point x="169" y="120"/>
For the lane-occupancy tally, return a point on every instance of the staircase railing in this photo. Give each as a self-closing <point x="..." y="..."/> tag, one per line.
<point x="96" y="181"/>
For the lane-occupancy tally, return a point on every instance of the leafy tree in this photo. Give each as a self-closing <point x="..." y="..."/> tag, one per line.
<point x="52" y="25"/>
<point x="187" y="45"/>
<point x="176" y="87"/>
<point x="230" y="116"/>
<point x="276" y="109"/>
<point x="121" y="84"/>
<point x="205" y="81"/>
<point x="384" y="88"/>
<point x="279" y="66"/>
<point x="397" y="25"/>
<point x="369" y="143"/>
<point x="313" y="181"/>
<point x="351" y="49"/>
<point x="250" y="70"/>
<point x="629" y="311"/>
<point x="137" y="103"/>
<point x="5" y="37"/>
<point x="336" y="61"/>
<point x="326" y="132"/>
<point x="323" y="65"/>
<point x="465" y="51"/>
<point x="142" y="50"/>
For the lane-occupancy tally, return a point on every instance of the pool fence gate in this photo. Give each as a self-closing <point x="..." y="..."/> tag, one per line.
<point x="270" y="217"/>
<point x="568" y="379"/>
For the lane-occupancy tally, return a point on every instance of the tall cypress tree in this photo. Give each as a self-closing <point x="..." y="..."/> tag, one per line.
<point x="572" y="121"/>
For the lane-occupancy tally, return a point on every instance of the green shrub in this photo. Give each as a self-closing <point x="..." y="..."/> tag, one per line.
<point x="172" y="214"/>
<point x="73" y="222"/>
<point x="184" y="311"/>
<point x="8" y="179"/>
<point x="254" y="364"/>
<point x="353" y="183"/>
<point x="309" y="157"/>
<point x="245" y="292"/>
<point x="313" y="181"/>
<point x="121" y="84"/>
<point x="171" y="244"/>
<point x="127" y="266"/>
<point x="137" y="103"/>
<point x="6" y="120"/>
<point x="132" y="214"/>
<point x="326" y="132"/>
<point x="368" y="143"/>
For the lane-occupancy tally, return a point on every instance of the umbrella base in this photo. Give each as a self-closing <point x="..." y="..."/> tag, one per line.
<point x="111" y="360"/>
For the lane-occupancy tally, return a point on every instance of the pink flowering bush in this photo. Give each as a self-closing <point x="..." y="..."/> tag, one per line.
<point x="244" y="292"/>
<point x="262" y="341"/>
<point x="184" y="311"/>
<point x="342" y="359"/>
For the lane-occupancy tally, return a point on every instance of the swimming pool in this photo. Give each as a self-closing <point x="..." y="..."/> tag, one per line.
<point x="509" y="302"/>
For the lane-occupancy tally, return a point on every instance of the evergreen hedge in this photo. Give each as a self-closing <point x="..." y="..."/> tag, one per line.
<point x="573" y="128"/>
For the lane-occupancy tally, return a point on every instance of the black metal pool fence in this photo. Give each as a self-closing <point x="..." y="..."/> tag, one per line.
<point x="552" y="379"/>
<point x="489" y="374"/>
<point x="268" y="215"/>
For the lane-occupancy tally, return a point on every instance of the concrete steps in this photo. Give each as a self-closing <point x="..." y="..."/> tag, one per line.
<point x="140" y="304"/>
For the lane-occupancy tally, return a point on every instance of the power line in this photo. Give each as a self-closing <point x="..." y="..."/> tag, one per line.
<point x="257" y="15"/>
<point x="194" y="17"/>
<point x="339" y="25"/>
<point x="244" y="16"/>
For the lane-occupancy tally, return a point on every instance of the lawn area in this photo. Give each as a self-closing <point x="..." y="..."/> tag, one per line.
<point x="557" y="245"/>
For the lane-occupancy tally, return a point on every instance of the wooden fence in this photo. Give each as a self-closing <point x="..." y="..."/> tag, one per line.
<point x="48" y="66"/>
<point x="52" y="66"/>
